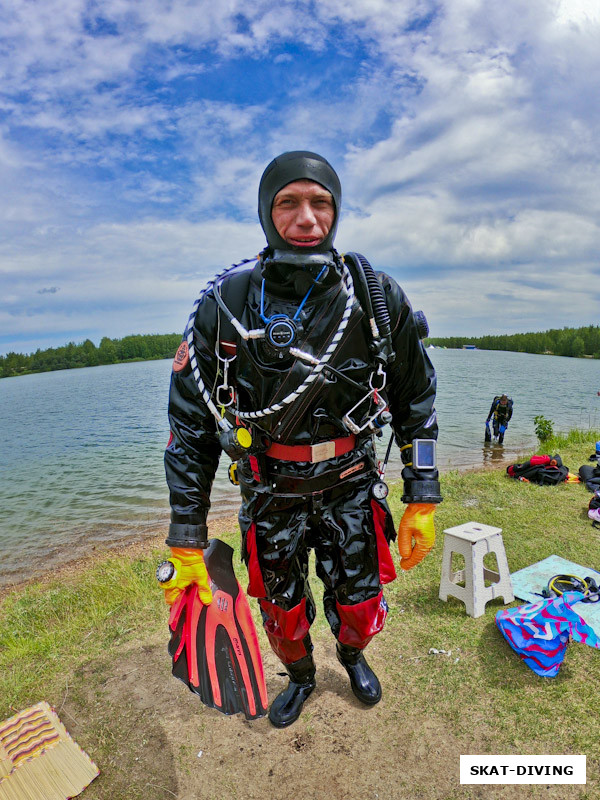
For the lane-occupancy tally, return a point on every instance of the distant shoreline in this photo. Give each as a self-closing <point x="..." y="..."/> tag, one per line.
<point x="139" y="347"/>
<point x="583" y="342"/>
<point x="87" y="366"/>
<point x="22" y="374"/>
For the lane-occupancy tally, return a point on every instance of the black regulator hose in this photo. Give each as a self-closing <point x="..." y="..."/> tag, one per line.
<point x="358" y="275"/>
<point x="380" y="309"/>
<point x="373" y="296"/>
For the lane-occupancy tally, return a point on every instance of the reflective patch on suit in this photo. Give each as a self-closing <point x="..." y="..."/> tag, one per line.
<point x="182" y="356"/>
<point x="352" y="470"/>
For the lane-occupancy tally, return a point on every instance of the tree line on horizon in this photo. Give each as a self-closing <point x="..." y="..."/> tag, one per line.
<point x="572" y="342"/>
<point x="138" y="347"/>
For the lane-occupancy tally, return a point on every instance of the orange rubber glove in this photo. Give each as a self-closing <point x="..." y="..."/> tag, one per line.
<point x="417" y="524"/>
<point x="189" y="568"/>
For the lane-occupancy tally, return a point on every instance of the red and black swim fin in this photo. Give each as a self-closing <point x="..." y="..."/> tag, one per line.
<point x="215" y="648"/>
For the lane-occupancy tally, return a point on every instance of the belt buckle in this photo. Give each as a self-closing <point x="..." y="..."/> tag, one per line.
<point x="322" y="451"/>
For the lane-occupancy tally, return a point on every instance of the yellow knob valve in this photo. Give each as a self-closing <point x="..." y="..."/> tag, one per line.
<point x="235" y="442"/>
<point x="244" y="437"/>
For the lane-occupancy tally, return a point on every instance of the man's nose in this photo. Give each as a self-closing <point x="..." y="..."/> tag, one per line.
<point x="306" y="214"/>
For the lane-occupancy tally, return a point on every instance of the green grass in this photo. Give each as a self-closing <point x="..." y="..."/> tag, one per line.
<point x="577" y="436"/>
<point x="48" y="629"/>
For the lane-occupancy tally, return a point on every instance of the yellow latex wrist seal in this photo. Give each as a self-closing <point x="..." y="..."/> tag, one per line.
<point x="188" y="567"/>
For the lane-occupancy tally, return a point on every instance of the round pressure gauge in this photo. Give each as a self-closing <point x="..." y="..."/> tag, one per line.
<point x="380" y="490"/>
<point x="165" y="571"/>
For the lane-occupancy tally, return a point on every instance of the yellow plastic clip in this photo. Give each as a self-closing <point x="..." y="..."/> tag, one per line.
<point x="402" y="449"/>
<point x="233" y="474"/>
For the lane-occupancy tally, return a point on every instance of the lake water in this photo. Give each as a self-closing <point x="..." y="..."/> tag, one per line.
<point x="81" y="450"/>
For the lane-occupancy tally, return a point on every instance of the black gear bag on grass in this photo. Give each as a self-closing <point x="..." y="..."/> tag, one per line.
<point x="543" y="470"/>
<point x="590" y="476"/>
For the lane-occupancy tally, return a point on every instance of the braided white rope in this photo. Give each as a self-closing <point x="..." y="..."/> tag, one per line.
<point x="188" y="335"/>
<point x="314" y="374"/>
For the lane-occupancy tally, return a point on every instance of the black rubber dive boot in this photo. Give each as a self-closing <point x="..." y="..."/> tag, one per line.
<point x="287" y="706"/>
<point x="364" y="682"/>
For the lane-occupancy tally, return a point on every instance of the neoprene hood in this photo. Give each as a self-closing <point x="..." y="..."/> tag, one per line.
<point x="294" y="166"/>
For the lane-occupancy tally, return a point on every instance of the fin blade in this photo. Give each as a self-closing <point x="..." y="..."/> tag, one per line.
<point x="250" y="637"/>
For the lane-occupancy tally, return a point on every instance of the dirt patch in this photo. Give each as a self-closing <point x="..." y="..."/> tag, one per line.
<point x="152" y="738"/>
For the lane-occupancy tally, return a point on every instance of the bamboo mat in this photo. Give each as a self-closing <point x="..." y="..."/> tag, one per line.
<point x="39" y="760"/>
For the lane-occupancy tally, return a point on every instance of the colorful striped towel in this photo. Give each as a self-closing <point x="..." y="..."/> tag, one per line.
<point x="39" y="760"/>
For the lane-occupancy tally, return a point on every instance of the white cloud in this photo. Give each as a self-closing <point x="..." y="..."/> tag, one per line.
<point x="465" y="134"/>
<point x="118" y="279"/>
<point x="578" y="12"/>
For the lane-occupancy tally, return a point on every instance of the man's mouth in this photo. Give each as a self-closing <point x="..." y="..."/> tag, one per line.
<point x="305" y="242"/>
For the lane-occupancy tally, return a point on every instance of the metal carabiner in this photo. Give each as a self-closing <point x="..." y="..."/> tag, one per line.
<point x="231" y="396"/>
<point x="225" y="387"/>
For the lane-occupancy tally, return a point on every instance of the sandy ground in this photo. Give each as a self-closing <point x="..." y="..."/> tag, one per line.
<point x="160" y="742"/>
<point x="166" y="744"/>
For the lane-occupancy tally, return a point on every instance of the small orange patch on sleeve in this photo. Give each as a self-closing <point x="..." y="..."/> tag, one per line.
<point x="182" y="356"/>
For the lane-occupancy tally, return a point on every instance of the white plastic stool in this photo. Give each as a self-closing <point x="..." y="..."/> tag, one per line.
<point x="473" y="540"/>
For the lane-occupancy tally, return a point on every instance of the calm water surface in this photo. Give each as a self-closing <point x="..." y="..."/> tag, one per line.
<point x="81" y="450"/>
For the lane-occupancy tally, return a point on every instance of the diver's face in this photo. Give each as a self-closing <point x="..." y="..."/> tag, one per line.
<point x="303" y="213"/>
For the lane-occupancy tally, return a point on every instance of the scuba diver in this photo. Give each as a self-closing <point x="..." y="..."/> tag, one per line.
<point x="500" y="414"/>
<point x="291" y="363"/>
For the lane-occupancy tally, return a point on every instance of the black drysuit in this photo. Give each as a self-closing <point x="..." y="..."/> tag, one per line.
<point x="292" y="506"/>
<point x="501" y="414"/>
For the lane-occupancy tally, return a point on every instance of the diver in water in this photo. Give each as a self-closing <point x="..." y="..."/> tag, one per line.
<point x="500" y="413"/>
<point x="292" y="363"/>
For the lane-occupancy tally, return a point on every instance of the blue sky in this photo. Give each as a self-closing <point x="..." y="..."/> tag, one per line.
<point x="133" y="136"/>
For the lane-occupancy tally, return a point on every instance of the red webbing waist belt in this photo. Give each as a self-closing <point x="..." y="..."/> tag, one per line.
<point x="312" y="452"/>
